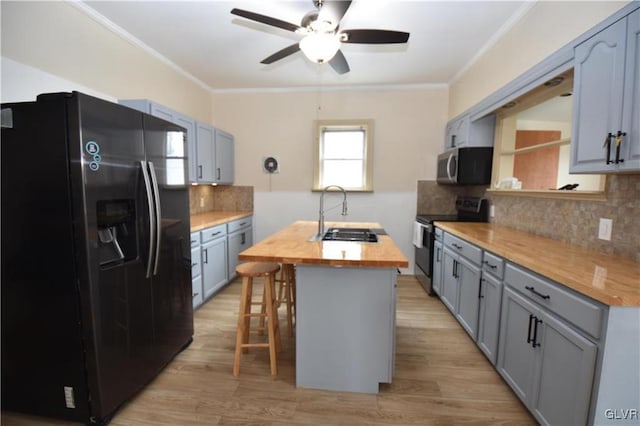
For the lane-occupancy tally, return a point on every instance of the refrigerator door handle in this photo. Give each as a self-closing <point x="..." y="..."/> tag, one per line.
<point x="152" y="217"/>
<point x="156" y="196"/>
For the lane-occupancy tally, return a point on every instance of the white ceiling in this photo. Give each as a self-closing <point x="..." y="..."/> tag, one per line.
<point x="223" y="52"/>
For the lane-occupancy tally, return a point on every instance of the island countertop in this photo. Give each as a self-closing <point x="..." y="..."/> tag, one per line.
<point x="610" y="279"/>
<point x="292" y="245"/>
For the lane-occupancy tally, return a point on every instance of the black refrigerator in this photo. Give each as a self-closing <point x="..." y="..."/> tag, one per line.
<point x="96" y="258"/>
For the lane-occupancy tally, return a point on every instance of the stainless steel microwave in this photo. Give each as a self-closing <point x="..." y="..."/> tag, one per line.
<point x="465" y="166"/>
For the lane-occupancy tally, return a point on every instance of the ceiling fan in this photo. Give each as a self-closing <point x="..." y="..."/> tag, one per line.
<point x="322" y="35"/>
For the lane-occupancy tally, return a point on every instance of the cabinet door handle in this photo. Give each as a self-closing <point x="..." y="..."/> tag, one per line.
<point x="533" y="290"/>
<point x="619" y="139"/>
<point x="206" y="255"/>
<point x="486" y="262"/>
<point x="455" y="269"/>
<point x="480" y="295"/>
<point x="218" y="173"/>
<point x="199" y="172"/>
<point x="243" y="239"/>
<point x="194" y="264"/>
<point x="535" y="343"/>
<point x="607" y="146"/>
<point x="438" y="255"/>
<point x="529" y="332"/>
<point x="456" y="246"/>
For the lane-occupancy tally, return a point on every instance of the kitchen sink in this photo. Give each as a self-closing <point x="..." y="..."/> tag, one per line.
<point x="363" y="235"/>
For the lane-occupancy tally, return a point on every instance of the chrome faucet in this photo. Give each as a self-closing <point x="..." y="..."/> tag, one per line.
<point x="322" y="210"/>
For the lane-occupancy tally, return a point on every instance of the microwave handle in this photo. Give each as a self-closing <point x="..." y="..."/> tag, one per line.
<point x="449" y="167"/>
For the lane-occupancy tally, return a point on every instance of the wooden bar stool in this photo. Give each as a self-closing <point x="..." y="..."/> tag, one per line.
<point x="286" y="293"/>
<point x="248" y="271"/>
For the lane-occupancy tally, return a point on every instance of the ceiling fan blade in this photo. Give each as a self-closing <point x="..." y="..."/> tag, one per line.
<point x="334" y="11"/>
<point x="265" y="19"/>
<point x="290" y="50"/>
<point x="339" y="63"/>
<point x="375" y="36"/>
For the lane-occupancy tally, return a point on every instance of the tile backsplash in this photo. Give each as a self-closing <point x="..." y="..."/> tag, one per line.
<point x="207" y="198"/>
<point x="574" y="221"/>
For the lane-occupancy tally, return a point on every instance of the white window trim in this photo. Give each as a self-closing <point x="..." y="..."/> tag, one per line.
<point x="365" y="124"/>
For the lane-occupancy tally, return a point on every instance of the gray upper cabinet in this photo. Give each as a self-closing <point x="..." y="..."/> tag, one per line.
<point x="457" y="133"/>
<point x="211" y="151"/>
<point x="224" y="153"/>
<point x="172" y="116"/>
<point x="462" y="132"/>
<point x="606" y="109"/>
<point x="205" y="152"/>
<point x="189" y="124"/>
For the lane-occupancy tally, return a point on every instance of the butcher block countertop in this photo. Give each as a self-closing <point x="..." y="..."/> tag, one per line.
<point x="206" y="220"/>
<point x="610" y="279"/>
<point x="292" y="245"/>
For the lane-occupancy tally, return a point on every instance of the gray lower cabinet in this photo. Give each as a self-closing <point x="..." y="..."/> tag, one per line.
<point x="449" y="290"/>
<point x="607" y="100"/>
<point x="345" y="327"/>
<point x="548" y="362"/>
<point x="239" y="238"/>
<point x="196" y="270"/>
<point x="461" y="281"/>
<point x="214" y="259"/>
<point x="489" y="316"/>
<point x="468" y="300"/>
<point x="438" y="260"/>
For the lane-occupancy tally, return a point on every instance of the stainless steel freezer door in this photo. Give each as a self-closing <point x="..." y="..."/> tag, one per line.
<point x="110" y="149"/>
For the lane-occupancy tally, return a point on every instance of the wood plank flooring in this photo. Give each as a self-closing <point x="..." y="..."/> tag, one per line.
<point x="441" y="378"/>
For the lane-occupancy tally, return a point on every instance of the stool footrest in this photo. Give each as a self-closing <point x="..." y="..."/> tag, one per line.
<point x="254" y="345"/>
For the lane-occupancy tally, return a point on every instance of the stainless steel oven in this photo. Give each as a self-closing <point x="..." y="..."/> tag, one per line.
<point x="469" y="209"/>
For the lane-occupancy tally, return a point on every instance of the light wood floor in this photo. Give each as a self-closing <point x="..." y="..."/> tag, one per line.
<point x="441" y="378"/>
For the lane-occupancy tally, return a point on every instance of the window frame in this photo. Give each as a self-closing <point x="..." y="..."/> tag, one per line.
<point x="356" y="124"/>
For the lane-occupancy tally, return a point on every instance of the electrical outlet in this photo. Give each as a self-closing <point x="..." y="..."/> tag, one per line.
<point x="201" y="201"/>
<point x="492" y="211"/>
<point x="604" y="230"/>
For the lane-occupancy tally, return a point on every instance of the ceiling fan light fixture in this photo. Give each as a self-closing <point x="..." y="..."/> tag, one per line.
<point x="320" y="47"/>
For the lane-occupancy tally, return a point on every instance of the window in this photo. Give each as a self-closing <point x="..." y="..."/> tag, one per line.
<point x="343" y="154"/>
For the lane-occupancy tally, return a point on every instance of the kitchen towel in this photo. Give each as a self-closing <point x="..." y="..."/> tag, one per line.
<point x="417" y="234"/>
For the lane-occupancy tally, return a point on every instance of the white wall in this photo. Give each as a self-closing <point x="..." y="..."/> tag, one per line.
<point x="21" y="83"/>
<point x="547" y="27"/>
<point x="408" y="135"/>
<point x="62" y="41"/>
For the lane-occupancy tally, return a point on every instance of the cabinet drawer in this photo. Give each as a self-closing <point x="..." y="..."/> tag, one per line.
<point x="468" y="250"/>
<point x="196" y="265"/>
<point x="238" y="224"/>
<point x="438" y="233"/>
<point x="213" y="232"/>
<point x="578" y="310"/>
<point x="195" y="239"/>
<point x="493" y="265"/>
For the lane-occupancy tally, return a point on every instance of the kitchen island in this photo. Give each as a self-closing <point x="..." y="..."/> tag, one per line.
<point x="345" y="304"/>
